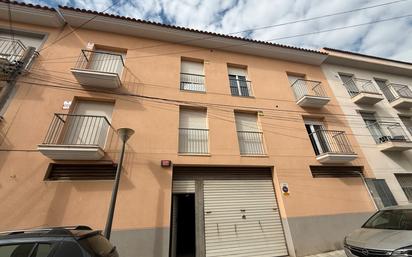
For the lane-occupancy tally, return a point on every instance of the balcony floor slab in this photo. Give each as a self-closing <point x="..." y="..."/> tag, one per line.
<point x="96" y="79"/>
<point x="395" y="146"/>
<point x="313" y="101"/>
<point x="70" y="152"/>
<point x="367" y="98"/>
<point x="336" y="157"/>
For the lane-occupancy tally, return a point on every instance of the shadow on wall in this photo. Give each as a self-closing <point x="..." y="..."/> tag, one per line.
<point x="402" y="159"/>
<point x="152" y="241"/>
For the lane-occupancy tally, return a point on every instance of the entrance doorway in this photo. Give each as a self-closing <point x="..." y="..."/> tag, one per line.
<point x="184" y="232"/>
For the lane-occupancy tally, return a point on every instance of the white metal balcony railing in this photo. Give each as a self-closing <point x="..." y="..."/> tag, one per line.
<point x="356" y="86"/>
<point x="100" y="61"/>
<point x="192" y="82"/>
<point x="394" y="91"/>
<point x="330" y="141"/>
<point x="11" y="50"/>
<point x="193" y="141"/>
<point x="251" y="142"/>
<point x="69" y="129"/>
<point x="383" y="131"/>
<point x="240" y="87"/>
<point x="304" y="87"/>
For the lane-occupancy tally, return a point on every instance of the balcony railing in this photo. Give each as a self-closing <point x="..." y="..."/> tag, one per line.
<point x="100" y="61"/>
<point x="394" y="91"/>
<point x="193" y="141"/>
<point x="11" y="50"/>
<point x="251" y="142"/>
<point x="192" y="82"/>
<point x="356" y="86"/>
<point x="78" y="130"/>
<point x="303" y="87"/>
<point x="382" y="132"/>
<point x="330" y="141"/>
<point x="240" y="87"/>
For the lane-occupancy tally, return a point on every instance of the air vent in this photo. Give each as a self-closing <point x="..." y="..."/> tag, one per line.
<point x="59" y="171"/>
<point x="335" y="171"/>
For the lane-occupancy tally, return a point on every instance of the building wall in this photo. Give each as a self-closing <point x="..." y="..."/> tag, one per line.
<point x="383" y="165"/>
<point x="142" y="217"/>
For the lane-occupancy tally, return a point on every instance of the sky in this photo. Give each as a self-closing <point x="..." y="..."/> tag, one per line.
<point x="247" y="18"/>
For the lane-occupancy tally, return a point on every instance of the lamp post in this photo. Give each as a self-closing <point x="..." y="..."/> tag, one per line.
<point x="124" y="134"/>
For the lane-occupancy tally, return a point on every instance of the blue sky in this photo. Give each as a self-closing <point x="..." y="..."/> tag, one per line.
<point x="390" y="39"/>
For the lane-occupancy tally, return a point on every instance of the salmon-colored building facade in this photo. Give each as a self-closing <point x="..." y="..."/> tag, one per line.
<point x="262" y="161"/>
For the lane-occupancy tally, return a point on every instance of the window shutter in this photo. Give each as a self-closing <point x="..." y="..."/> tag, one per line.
<point x="27" y="39"/>
<point x="237" y="71"/>
<point x="405" y="180"/>
<point x="246" y="122"/>
<point x="195" y="119"/>
<point x="192" y="67"/>
<point x="293" y="78"/>
<point x="381" y="193"/>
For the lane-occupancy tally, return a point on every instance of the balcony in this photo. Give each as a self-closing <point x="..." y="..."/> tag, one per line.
<point x="76" y="137"/>
<point x="193" y="141"/>
<point x="240" y="87"/>
<point x="363" y="91"/>
<point x="309" y="93"/>
<point x="11" y="54"/>
<point x="192" y="82"/>
<point x="390" y="136"/>
<point x="332" y="146"/>
<point x="251" y="143"/>
<point x="398" y="95"/>
<point x="99" y="69"/>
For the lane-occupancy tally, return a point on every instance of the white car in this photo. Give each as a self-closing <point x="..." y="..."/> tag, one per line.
<point x="387" y="233"/>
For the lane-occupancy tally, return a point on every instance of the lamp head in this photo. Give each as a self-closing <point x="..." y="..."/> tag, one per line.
<point x="125" y="133"/>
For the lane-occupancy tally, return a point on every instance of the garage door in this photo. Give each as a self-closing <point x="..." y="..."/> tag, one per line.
<point x="242" y="219"/>
<point x="241" y="216"/>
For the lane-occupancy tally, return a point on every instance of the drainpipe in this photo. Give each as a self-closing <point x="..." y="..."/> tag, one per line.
<point x="124" y="134"/>
<point x="11" y="82"/>
<point x="367" y="188"/>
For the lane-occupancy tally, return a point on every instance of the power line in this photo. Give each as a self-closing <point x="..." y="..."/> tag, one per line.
<point x="81" y="25"/>
<point x="263" y="27"/>
<point x="256" y="108"/>
<point x="252" y="42"/>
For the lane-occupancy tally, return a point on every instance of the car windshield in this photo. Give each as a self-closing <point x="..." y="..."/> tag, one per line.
<point x="391" y="219"/>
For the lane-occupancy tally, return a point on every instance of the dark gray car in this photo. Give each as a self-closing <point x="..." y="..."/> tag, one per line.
<point x="78" y="241"/>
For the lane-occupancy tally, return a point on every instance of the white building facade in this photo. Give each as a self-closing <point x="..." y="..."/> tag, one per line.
<point x="376" y="97"/>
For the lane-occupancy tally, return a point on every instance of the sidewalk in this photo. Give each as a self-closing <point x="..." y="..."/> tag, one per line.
<point x="339" y="253"/>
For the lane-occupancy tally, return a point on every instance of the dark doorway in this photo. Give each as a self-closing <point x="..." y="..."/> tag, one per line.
<point x="185" y="231"/>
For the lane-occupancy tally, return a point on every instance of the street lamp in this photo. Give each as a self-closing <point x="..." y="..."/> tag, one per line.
<point x="124" y="134"/>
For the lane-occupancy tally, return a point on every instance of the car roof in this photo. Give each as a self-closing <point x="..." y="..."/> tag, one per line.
<point x="399" y="207"/>
<point x="76" y="232"/>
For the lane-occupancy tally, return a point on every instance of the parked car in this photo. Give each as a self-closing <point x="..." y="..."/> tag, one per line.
<point x="387" y="233"/>
<point x="78" y="241"/>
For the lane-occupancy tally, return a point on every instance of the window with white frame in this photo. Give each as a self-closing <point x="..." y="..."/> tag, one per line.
<point x="249" y="134"/>
<point x="239" y="84"/>
<point x="193" y="131"/>
<point x="192" y="76"/>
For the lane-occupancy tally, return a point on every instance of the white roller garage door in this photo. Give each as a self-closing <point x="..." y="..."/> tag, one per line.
<point x="242" y="218"/>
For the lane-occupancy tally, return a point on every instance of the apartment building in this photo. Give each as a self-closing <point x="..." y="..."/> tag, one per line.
<point x="376" y="96"/>
<point x="263" y="162"/>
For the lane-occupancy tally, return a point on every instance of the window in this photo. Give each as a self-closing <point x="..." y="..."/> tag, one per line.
<point x="61" y="171"/>
<point x="407" y="121"/>
<point x="317" y="136"/>
<point x="26" y="38"/>
<point x="193" y="131"/>
<point x="349" y="83"/>
<point x="249" y="135"/>
<point x="103" y="60"/>
<point x="381" y="193"/>
<point x="25" y="250"/>
<point x="192" y="76"/>
<point x="405" y="180"/>
<point x="383" y="131"/>
<point x="239" y="85"/>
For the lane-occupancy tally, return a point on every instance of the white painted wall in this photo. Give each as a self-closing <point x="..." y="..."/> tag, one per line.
<point x="384" y="165"/>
